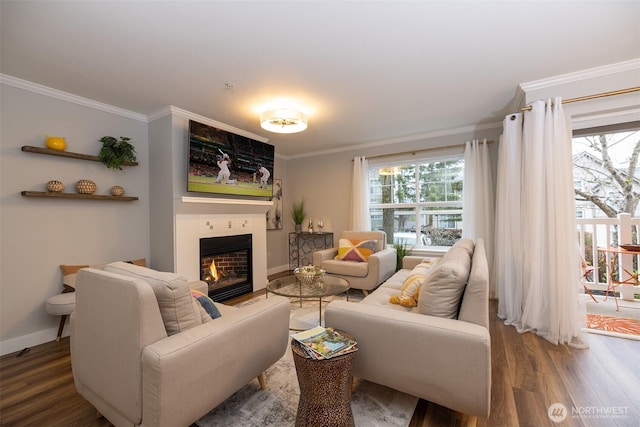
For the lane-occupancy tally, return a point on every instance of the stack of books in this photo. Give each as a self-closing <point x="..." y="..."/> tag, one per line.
<point x="325" y="343"/>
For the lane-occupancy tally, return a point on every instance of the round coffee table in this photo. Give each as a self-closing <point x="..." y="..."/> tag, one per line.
<point x="291" y="287"/>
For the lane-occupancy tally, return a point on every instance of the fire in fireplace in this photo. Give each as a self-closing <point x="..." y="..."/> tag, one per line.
<point x="225" y="264"/>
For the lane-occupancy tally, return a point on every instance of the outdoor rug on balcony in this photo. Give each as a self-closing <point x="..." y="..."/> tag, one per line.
<point x="622" y="327"/>
<point x="372" y="404"/>
<point x="607" y="318"/>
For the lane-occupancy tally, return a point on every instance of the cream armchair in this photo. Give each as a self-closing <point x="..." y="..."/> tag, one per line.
<point x="125" y="364"/>
<point x="365" y="276"/>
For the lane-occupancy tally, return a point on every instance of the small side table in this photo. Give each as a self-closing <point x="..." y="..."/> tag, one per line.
<point x="325" y="388"/>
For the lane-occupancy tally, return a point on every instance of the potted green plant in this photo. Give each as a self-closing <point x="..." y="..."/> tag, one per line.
<point x="401" y="251"/>
<point x="298" y="214"/>
<point x="115" y="153"/>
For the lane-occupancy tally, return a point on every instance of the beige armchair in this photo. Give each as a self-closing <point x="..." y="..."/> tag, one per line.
<point x="128" y="367"/>
<point x="367" y="275"/>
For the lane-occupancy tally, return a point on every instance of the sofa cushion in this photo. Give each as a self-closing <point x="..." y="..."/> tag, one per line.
<point x="410" y="291"/>
<point x="442" y="290"/>
<point x="177" y="306"/>
<point x="424" y="267"/>
<point x="355" y="250"/>
<point x="466" y="243"/>
<point x="346" y="268"/>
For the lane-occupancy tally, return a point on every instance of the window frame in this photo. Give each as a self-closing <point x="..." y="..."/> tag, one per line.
<point x="420" y="209"/>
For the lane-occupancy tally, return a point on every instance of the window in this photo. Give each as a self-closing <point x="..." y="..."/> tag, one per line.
<point x="604" y="171"/>
<point x="418" y="203"/>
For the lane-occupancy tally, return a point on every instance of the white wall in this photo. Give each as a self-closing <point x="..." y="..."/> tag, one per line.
<point x="38" y="234"/>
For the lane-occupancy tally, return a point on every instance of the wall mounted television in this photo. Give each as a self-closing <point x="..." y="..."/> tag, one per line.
<point x="222" y="162"/>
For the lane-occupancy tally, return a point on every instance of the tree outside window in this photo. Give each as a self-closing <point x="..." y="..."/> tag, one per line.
<point x="418" y="203"/>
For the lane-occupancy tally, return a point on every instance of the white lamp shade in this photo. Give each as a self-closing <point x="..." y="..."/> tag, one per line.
<point x="281" y="120"/>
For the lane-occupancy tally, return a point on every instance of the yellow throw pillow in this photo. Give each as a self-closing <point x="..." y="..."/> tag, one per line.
<point x="410" y="291"/>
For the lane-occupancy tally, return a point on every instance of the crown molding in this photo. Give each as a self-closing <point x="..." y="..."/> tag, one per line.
<point x="175" y="111"/>
<point x="69" y="97"/>
<point x="398" y="140"/>
<point x="620" y="67"/>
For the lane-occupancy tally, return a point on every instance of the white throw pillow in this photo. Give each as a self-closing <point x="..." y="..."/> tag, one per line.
<point x="441" y="292"/>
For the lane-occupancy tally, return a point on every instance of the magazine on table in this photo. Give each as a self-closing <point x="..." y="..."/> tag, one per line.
<point x="325" y="343"/>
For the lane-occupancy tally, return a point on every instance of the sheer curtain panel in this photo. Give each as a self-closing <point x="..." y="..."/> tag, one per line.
<point x="360" y="217"/>
<point x="538" y="262"/>
<point x="477" y="200"/>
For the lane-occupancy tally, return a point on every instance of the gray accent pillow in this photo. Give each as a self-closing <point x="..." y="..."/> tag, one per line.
<point x="178" y="308"/>
<point x="441" y="292"/>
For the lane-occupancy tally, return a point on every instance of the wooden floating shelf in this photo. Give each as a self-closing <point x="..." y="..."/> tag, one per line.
<point x="49" y="152"/>
<point x="77" y="196"/>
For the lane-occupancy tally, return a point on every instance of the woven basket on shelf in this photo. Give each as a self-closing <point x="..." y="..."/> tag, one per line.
<point x="85" y="186"/>
<point x="117" y="190"/>
<point x="55" y="186"/>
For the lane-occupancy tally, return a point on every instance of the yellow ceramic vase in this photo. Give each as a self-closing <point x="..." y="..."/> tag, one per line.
<point x="55" y="143"/>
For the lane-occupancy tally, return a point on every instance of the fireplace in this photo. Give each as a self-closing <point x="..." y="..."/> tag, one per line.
<point x="225" y="264"/>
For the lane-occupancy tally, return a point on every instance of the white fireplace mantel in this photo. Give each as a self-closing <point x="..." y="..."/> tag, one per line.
<point x="201" y="217"/>
<point x="210" y="205"/>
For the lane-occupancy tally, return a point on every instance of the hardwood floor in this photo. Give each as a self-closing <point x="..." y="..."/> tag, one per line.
<point x="529" y="374"/>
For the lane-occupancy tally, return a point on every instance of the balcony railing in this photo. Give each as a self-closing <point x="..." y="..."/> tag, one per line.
<point x="606" y="232"/>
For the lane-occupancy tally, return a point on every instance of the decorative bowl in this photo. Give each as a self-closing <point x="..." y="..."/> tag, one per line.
<point x="85" y="186"/>
<point x="309" y="274"/>
<point x="55" y="186"/>
<point x="117" y="190"/>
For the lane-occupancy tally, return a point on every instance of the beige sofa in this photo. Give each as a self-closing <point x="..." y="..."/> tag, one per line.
<point x="360" y="275"/>
<point x="144" y="352"/>
<point x="440" y="359"/>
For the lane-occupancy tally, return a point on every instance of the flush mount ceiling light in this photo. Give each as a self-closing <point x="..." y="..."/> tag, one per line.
<point x="283" y="120"/>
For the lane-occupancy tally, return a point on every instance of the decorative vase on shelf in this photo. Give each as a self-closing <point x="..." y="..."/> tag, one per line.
<point x="86" y="186"/>
<point x="117" y="190"/>
<point x="55" y="186"/>
<point x="310" y="225"/>
<point x="55" y="143"/>
<point x="298" y="228"/>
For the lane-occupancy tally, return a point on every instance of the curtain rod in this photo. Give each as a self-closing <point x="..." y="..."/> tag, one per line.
<point x="413" y="152"/>
<point x="597" y="95"/>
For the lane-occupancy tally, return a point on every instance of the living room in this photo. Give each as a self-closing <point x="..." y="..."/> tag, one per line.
<point x="38" y="235"/>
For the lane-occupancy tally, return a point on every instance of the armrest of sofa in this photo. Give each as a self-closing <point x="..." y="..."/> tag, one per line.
<point x="323" y="255"/>
<point x="200" y="286"/>
<point x="410" y="261"/>
<point x="383" y="263"/>
<point x="211" y="361"/>
<point x="445" y="361"/>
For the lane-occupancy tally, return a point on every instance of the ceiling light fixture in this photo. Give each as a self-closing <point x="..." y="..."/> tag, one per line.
<point x="283" y="120"/>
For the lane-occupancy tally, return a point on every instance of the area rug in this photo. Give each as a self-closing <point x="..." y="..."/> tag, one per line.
<point x="306" y="314"/>
<point x="623" y="327"/>
<point x="604" y="317"/>
<point x="372" y="404"/>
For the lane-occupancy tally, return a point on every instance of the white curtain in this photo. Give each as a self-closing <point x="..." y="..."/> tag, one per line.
<point x="360" y="219"/>
<point x="537" y="258"/>
<point x="478" y="210"/>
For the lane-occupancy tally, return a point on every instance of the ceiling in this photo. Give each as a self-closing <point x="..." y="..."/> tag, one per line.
<point x="364" y="71"/>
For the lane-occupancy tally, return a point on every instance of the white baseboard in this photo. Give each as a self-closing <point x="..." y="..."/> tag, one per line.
<point x="36" y="338"/>
<point x="278" y="269"/>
